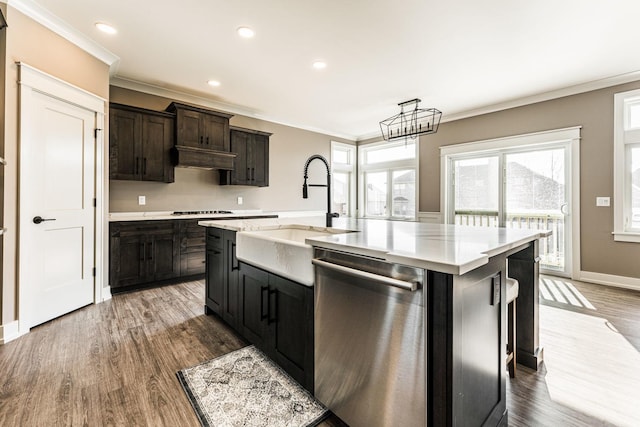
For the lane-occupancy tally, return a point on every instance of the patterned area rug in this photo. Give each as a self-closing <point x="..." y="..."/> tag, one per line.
<point x="245" y="388"/>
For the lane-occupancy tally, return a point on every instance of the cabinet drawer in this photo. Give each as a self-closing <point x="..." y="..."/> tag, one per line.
<point x="214" y="238"/>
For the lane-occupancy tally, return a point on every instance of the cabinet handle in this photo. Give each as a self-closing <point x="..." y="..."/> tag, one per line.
<point x="253" y="174"/>
<point x="144" y="166"/>
<point x="201" y="139"/>
<point x="274" y="293"/>
<point x="137" y="165"/>
<point x="207" y="140"/>
<point x="142" y="255"/>
<point x="262" y="301"/>
<point x="150" y="251"/>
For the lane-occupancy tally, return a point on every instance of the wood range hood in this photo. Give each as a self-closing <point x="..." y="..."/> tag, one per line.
<point x="201" y="158"/>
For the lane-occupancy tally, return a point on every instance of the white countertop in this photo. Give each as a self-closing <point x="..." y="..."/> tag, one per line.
<point x="145" y="216"/>
<point x="450" y="249"/>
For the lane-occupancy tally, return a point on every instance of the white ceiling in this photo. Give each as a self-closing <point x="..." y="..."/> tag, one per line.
<point x="458" y="56"/>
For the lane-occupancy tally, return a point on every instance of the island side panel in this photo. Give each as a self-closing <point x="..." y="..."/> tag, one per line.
<point x="466" y="335"/>
<point x="524" y="266"/>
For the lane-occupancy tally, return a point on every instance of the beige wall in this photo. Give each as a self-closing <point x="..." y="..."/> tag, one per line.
<point x="33" y="44"/>
<point x="594" y="112"/>
<point x="195" y="189"/>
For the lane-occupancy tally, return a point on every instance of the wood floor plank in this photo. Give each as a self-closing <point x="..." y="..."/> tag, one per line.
<point x="114" y="364"/>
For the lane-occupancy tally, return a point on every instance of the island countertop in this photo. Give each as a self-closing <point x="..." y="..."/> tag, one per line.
<point x="452" y="249"/>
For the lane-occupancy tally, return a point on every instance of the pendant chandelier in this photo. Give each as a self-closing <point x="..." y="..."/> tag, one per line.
<point x="410" y="123"/>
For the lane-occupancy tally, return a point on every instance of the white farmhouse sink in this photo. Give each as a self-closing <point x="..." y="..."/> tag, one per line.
<point x="283" y="250"/>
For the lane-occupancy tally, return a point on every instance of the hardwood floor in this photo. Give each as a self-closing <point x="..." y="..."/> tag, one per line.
<point x="114" y="363"/>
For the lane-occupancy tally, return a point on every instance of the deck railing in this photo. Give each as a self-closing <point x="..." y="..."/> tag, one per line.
<point x="551" y="248"/>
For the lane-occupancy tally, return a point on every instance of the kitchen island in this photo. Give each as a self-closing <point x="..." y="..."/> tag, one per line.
<point x="460" y="359"/>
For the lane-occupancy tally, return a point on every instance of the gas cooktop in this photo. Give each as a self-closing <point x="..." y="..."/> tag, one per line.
<point x="200" y="212"/>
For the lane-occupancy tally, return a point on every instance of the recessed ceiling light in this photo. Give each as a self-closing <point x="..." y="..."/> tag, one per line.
<point x="319" y="65"/>
<point x="105" y="28"/>
<point x="213" y="83"/>
<point x="245" y="32"/>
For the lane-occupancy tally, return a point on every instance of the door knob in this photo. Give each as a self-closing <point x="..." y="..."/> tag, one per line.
<point x="39" y="219"/>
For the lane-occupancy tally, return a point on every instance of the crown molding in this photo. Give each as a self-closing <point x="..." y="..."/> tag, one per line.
<point x="216" y="105"/>
<point x="47" y="19"/>
<point x="546" y="96"/>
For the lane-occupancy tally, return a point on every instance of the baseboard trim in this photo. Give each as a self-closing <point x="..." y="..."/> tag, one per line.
<point x="610" y="280"/>
<point x="9" y="332"/>
<point x="430" y="217"/>
<point x="105" y="294"/>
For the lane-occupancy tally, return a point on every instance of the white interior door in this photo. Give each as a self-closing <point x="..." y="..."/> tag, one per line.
<point x="57" y="169"/>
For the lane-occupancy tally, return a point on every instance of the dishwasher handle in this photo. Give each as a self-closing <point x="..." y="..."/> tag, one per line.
<point x="402" y="284"/>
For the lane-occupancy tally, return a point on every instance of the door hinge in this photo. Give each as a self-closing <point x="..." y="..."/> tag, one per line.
<point x="95" y="132"/>
<point x="95" y="202"/>
<point x="94" y="272"/>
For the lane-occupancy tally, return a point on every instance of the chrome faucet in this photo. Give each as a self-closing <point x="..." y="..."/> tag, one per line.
<point x="305" y="194"/>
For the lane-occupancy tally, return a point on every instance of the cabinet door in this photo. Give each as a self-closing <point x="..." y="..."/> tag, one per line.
<point x="214" y="280"/>
<point x="259" y="157"/>
<point x="188" y="133"/>
<point x="290" y="322"/>
<point x="157" y="140"/>
<point x="128" y="263"/>
<point x="163" y="254"/>
<point x="254" y="297"/>
<point x="239" y="144"/>
<point x="192" y="248"/>
<point x="214" y="132"/>
<point x="231" y="271"/>
<point x="125" y="134"/>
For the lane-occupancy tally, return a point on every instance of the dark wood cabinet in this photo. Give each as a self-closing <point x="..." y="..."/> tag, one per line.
<point x="214" y="278"/>
<point x="222" y="275"/>
<point x="276" y="315"/>
<point x="140" y="141"/>
<point x="252" y="158"/>
<point x="273" y="313"/>
<point x="201" y="128"/>
<point x="192" y="248"/>
<point x="142" y="252"/>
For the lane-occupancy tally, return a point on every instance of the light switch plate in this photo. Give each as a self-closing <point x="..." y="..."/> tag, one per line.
<point x="240" y="200"/>
<point x="603" y="201"/>
<point x="142" y="200"/>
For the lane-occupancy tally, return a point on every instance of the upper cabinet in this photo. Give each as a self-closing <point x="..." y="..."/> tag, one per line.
<point x="252" y="158"/>
<point x="140" y="141"/>
<point x="201" y="128"/>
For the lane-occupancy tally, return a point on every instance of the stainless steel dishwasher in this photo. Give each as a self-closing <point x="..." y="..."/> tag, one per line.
<point x="370" y="366"/>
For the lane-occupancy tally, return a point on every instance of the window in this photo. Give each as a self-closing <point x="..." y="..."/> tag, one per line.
<point x="626" y="168"/>
<point x="528" y="181"/>
<point x="388" y="180"/>
<point x="343" y="178"/>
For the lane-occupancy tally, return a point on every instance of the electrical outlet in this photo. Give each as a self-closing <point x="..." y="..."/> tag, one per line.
<point x="603" y="201"/>
<point x="240" y="200"/>
<point x="142" y="200"/>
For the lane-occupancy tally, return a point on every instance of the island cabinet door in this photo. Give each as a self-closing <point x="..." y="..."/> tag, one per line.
<point x="467" y="321"/>
<point x="214" y="278"/>
<point x="231" y="306"/>
<point x="290" y="322"/>
<point x="254" y="310"/>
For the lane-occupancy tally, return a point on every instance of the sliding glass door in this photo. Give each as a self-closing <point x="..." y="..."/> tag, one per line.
<point x="524" y="188"/>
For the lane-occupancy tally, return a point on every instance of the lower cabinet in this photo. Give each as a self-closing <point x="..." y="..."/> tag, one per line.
<point x="276" y="315"/>
<point x="143" y="252"/>
<point x="271" y="312"/>
<point x="222" y="275"/>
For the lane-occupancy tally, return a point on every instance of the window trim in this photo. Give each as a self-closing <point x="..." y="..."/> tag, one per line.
<point x="388" y="167"/>
<point x="350" y="168"/>
<point x="622" y="139"/>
